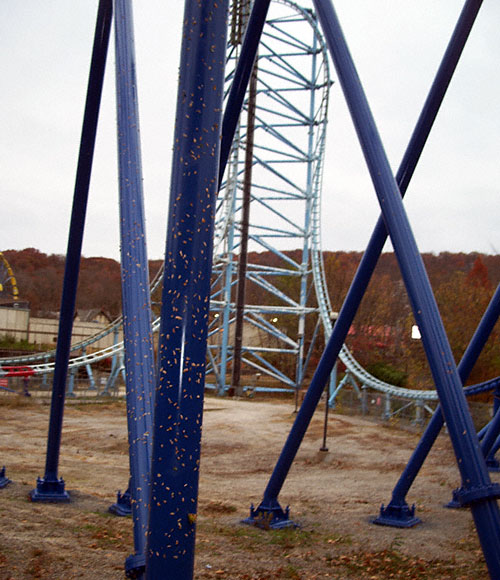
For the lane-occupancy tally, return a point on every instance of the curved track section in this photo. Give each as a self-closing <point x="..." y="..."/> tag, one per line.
<point x="39" y="357"/>
<point x="279" y="119"/>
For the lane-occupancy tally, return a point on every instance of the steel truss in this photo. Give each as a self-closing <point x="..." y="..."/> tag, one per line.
<point x="293" y="83"/>
<point x="187" y="286"/>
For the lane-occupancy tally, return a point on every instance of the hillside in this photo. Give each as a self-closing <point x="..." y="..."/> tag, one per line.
<point x="381" y="334"/>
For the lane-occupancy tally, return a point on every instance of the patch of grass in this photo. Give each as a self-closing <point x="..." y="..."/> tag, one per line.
<point x="218" y="507"/>
<point x="292" y="571"/>
<point x="387" y="564"/>
<point x="100" y="535"/>
<point x="105" y="515"/>
<point x="244" y="532"/>
<point x="39" y="564"/>
<point x="338" y="539"/>
<point x="9" y="342"/>
<point x="253" y="538"/>
<point x="289" y="538"/>
<point x="15" y="401"/>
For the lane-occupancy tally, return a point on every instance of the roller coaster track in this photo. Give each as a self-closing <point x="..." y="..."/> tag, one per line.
<point x="42" y="363"/>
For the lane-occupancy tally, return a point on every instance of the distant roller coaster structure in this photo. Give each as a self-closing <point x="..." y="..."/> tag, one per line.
<point x="164" y="413"/>
<point x="9" y="293"/>
<point x="292" y="94"/>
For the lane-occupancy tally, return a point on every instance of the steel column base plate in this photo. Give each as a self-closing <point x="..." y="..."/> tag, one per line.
<point x="270" y="516"/>
<point x="135" y="566"/>
<point x="454" y="503"/>
<point x="397" y="516"/>
<point x="493" y="464"/>
<point x="122" y="507"/>
<point x="4" y="480"/>
<point x="49" y="491"/>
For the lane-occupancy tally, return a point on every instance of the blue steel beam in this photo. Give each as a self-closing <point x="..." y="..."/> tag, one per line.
<point x="491" y="435"/>
<point x="397" y="513"/>
<point x="51" y="487"/>
<point x="4" y="480"/>
<point x="477" y="489"/>
<point x="367" y="265"/>
<point x="492" y="430"/>
<point x="186" y="293"/>
<point x="136" y="297"/>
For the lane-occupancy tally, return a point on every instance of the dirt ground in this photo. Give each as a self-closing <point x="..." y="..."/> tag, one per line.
<point x="332" y="495"/>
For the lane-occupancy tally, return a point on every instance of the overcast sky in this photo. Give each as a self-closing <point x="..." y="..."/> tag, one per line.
<point x="397" y="45"/>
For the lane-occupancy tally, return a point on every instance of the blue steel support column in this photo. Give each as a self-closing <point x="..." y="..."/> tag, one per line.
<point x="365" y="270"/>
<point x="186" y="293"/>
<point x="300" y="369"/>
<point x="477" y="490"/>
<point x="398" y="513"/>
<point x="491" y="461"/>
<point x="491" y="435"/>
<point x="136" y="299"/>
<point x="70" y="392"/>
<point x="493" y="428"/>
<point x="4" y="480"/>
<point x="50" y="487"/>
<point x="115" y="364"/>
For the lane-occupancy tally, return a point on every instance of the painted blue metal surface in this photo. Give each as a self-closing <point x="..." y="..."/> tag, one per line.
<point x="70" y="391"/>
<point x="476" y="484"/>
<point x="123" y="505"/>
<point x="491" y="461"/>
<point x="186" y="293"/>
<point x="491" y="435"/>
<point x="397" y="513"/>
<point x="370" y="257"/>
<point x="4" y="480"/>
<point x="90" y="374"/>
<point x="136" y="299"/>
<point x="51" y="487"/>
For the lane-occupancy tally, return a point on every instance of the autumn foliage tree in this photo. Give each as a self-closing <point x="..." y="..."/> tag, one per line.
<point x="462" y="301"/>
<point x="380" y="336"/>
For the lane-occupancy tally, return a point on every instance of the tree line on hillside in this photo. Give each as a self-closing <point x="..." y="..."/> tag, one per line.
<point x="381" y="333"/>
<point x="40" y="276"/>
<point x="381" y="337"/>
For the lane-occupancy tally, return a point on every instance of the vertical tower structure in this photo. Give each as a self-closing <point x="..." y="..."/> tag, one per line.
<point x="291" y="105"/>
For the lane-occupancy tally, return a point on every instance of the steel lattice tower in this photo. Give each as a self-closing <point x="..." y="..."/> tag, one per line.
<point x="290" y="124"/>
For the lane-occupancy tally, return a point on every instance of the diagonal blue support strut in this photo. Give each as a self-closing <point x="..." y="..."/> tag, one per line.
<point x="51" y="487"/>
<point x="186" y="294"/>
<point x="369" y="260"/>
<point x="136" y="298"/>
<point x="477" y="486"/>
<point x="397" y="513"/>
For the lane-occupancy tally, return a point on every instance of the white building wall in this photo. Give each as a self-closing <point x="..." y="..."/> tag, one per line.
<point x="15" y="322"/>
<point x="43" y="331"/>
